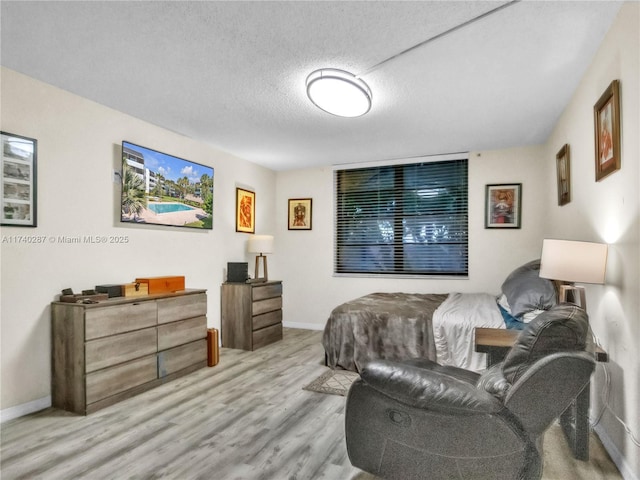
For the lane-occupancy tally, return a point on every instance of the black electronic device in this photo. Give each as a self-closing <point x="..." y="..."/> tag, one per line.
<point x="110" y="289"/>
<point x="237" y="272"/>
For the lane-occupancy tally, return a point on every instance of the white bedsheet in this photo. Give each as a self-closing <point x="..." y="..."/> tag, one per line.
<point x="453" y="324"/>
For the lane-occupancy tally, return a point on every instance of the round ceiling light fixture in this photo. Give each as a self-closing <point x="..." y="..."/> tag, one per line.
<point x="338" y="92"/>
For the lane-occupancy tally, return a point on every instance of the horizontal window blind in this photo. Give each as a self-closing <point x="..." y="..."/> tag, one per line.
<point x="404" y="219"/>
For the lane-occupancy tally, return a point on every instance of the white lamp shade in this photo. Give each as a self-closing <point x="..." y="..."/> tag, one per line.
<point x="573" y="261"/>
<point x="338" y="92"/>
<point x="260" y="244"/>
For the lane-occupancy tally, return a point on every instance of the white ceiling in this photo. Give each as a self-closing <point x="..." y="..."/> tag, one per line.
<point x="232" y="74"/>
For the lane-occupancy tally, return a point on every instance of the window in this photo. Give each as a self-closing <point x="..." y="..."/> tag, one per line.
<point x="405" y="219"/>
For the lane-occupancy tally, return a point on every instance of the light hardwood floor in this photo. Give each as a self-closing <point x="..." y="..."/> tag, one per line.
<point x="246" y="418"/>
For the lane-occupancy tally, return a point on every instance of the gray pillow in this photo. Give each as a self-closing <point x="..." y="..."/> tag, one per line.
<point x="526" y="291"/>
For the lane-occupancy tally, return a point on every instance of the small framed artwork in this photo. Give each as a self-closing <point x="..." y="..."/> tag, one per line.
<point x="503" y="205"/>
<point x="18" y="189"/>
<point x="245" y="211"/>
<point x="300" y="213"/>
<point x="563" y="165"/>
<point x="606" y="119"/>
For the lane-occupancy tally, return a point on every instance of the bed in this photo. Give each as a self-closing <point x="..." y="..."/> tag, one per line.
<point x="398" y="326"/>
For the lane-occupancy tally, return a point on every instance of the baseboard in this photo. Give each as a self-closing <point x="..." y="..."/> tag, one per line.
<point x="303" y="326"/>
<point x="615" y="454"/>
<point x="25" y="409"/>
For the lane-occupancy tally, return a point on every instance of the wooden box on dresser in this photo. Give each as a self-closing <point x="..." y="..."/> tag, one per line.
<point x="251" y="314"/>
<point x="106" y="352"/>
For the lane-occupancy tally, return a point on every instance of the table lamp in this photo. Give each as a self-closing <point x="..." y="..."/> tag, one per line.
<point x="573" y="261"/>
<point x="260" y="244"/>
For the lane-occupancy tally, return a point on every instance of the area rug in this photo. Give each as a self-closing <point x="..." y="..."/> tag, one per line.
<point x="335" y="382"/>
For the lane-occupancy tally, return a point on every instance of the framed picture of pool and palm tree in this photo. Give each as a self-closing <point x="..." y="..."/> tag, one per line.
<point x="160" y="189"/>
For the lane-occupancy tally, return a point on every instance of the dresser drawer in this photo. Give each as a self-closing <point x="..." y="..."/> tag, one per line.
<point x="117" y="379"/>
<point x="102" y="322"/>
<point x="268" y="305"/>
<point x="179" y="308"/>
<point x="267" y="291"/>
<point x="179" y="333"/>
<point x="108" y="351"/>
<point x="267" y="319"/>
<point x="178" y="358"/>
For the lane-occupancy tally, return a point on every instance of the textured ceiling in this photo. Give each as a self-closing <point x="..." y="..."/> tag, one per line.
<point x="232" y="74"/>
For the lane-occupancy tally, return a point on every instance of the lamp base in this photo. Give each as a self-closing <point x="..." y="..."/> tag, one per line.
<point x="256" y="278"/>
<point x="577" y="294"/>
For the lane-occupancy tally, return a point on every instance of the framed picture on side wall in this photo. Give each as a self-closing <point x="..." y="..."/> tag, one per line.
<point x="300" y="213"/>
<point x="18" y="189"/>
<point x="563" y="165"/>
<point x="606" y="119"/>
<point x="503" y="205"/>
<point x="245" y="211"/>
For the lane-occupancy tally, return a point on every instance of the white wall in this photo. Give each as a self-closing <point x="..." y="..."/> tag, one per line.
<point x="78" y="149"/>
<point x="608" y="211"/>
<point x="305" y="258"/>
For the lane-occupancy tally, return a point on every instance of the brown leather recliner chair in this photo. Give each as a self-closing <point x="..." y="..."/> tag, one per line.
<point x="418" y="419"/>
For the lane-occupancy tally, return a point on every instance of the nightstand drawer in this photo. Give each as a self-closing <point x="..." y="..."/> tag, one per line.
<point x="268" y="305"/>
<point x="267" y="319"/>
<point x="267" y="335"/>
<point x="267" y="291"/>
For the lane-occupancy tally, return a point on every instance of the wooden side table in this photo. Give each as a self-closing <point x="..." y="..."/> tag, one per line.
<point x="496" y="342"/>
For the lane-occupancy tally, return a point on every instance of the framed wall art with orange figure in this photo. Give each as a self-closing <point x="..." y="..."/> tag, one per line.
<point x="245" y="211"/>
<point x="606" y="119"/>
<point x="503" y="205"/>
<point x="563" y="165"/>
<point x="300" y="213"/>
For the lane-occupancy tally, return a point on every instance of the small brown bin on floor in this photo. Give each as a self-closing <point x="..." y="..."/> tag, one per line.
<point x="213" y="353"/>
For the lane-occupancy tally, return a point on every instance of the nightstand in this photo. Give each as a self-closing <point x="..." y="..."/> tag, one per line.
<point x="251" y="314"/>
<point x="496" y="342"/>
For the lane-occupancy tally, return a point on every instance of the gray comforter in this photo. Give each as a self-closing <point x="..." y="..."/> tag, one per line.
<point x="392" y="326"/>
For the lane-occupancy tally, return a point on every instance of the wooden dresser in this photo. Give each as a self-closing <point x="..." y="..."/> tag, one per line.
<point x="105" y="352"/>
<point x="251" y="314"/>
